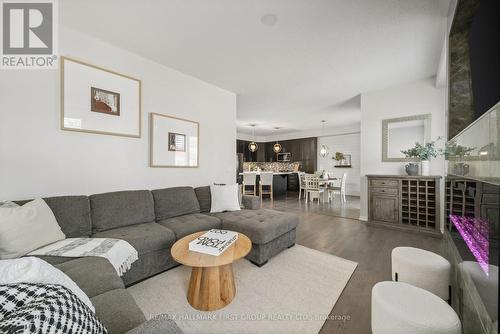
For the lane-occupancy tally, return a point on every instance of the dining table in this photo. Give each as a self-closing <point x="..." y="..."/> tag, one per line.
<point x="327" y="183"/>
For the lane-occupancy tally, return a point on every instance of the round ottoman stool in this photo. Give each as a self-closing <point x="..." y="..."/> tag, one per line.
<point x="403" y="308"/>
<point x="423" y="269"/>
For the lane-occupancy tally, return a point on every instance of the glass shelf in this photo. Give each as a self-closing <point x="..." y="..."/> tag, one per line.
<point x="482" y="136"/>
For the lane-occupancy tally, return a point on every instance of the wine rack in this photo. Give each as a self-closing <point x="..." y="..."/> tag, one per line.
<point x="418" y="203"/>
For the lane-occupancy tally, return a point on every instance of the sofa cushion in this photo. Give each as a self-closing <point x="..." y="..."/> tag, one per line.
<point x="72" y="214"/>
<point x="187" y="224"/>
<point x="118" y="311"/>
<point x="144" y="238"/>
<point x="173" y="202"/>
<point x="121" y="208"/>
<point x="94" y="275"/>
<point x="261" y="226"/>
<point x="204" y="198"/>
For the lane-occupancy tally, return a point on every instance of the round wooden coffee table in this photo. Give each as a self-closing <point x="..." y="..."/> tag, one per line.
<point x="211" y="286"/>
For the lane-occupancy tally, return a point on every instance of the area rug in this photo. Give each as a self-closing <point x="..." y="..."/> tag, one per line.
<point x="293" y="293"/>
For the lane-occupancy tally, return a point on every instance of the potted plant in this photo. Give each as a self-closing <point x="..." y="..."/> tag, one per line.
<point x="423" y="153"/>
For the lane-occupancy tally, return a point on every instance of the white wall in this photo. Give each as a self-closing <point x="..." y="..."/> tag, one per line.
<point x="38" y="159"/>
<point x="421" y="97"/>
<point x="348" y="144"/>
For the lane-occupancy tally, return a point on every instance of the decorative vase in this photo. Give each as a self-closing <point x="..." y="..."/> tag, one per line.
<point x="411" y="169"/>
<point x="461" y="168"/>
<point x="425" y="167"/>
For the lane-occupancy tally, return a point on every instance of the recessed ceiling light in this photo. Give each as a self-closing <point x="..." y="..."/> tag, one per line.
<point x="269" y="20"/>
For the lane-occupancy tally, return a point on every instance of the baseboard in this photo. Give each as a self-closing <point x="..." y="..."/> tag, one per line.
<point x="363" y="218"/>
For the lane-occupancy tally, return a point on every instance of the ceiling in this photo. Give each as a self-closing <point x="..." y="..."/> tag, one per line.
<point x="311" y="65"/>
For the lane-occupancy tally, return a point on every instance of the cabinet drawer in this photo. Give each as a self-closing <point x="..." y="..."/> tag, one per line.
<point x="384" y="183"/>
<point x="386" y="191"/>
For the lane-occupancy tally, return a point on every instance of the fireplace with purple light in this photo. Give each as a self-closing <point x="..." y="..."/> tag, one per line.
<point x="473" y="211"/>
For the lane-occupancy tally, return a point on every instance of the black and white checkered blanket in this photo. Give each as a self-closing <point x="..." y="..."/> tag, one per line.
<point x="44" y="308"/>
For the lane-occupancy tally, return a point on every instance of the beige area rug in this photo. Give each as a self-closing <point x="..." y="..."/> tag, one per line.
<point x="293" y="293"/>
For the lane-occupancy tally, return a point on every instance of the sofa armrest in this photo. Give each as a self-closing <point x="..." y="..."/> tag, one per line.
<point x="250" y="202"/>
<point x="156" y="326"/>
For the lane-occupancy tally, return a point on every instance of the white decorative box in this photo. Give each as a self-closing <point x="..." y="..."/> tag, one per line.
<point x="213" y="242"/>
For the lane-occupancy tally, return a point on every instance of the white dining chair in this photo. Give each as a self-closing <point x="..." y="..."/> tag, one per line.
<point x="302" y="184"/>
<point x="249" y="180"/>
<point x="313" y="188"/>
<point x="340" y="190"/>
<point x="266" y="185"/>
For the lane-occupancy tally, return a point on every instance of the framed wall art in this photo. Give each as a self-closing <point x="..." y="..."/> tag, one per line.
<point x="173" y="142"/>
<point x="97" y="100"/>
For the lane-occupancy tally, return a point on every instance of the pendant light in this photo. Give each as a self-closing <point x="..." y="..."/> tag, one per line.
<point x="277" y="146"/>
<point x="253" y="145"/>
<point x="323" y="151"/>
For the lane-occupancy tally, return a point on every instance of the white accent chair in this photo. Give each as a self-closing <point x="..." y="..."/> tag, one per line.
<point x="266" y="185"/>
<point x="423" y="269"/>
<point x="249" y="180"/>
<point x="313" y="188"/>
<point x="399" y="307"/>
<point x="302" y="184"/>
<point x="340" y="190"/>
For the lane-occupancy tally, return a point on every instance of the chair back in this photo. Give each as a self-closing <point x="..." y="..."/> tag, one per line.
<point x="302" y="179"/>
<point x="266" y="179"/>
<point x="312" y="182"/>
<point x="342" y="182"/>
<point x="249" y="178"/>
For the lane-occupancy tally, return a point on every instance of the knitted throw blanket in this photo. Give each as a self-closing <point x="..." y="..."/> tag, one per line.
<point x="119" y="252"/>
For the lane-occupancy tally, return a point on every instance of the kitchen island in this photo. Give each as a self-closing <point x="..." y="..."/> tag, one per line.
<point x="282" y="182"/>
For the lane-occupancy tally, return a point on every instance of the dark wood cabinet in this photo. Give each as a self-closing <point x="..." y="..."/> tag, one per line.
<point x="293" y="182"/>
<point x="303" y="150"/>
<point x="242" y="147"/>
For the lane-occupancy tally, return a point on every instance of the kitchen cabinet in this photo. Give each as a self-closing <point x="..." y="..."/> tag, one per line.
<point x="242" y="147"/>
<point x="303" y="150"/>
<point x="293" y="182"/>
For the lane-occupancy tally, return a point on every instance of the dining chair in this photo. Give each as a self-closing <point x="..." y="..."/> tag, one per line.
<point x="249" y="180"/>
<point x="313" y="188"/>
<point x="266" y="185"/>
<point x="340" y="190"/>
<point x="302" y="184"/>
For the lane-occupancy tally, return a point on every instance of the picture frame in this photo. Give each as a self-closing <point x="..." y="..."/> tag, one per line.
<point x="98" y="100"/>
<point x="173" y="142"/>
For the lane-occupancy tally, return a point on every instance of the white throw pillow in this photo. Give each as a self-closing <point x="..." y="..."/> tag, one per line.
<point x="34" y="270"/>
<point x="224" y="198"/>
<point x="26" y="228"/>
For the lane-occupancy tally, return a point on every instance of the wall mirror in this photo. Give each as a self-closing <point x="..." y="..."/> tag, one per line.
<point x="402" y="133"/>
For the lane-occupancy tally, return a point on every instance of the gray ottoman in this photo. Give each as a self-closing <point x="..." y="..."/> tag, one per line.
<point x="270" y="231"/>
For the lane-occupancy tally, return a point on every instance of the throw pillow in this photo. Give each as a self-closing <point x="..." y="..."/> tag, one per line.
<point x="34" y="270"/>
<point x="45" y="308"/>
<point x="26" y="228"/>
<point x="224" y="198"/>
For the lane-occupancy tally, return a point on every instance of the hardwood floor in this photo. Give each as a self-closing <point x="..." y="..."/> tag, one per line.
<point x="320" y="228"/>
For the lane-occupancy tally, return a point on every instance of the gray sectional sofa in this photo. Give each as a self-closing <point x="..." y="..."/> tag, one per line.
<point x="152" y="221"/>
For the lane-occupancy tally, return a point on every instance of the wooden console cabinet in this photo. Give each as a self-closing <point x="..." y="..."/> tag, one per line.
<point x="406" y="202"/>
